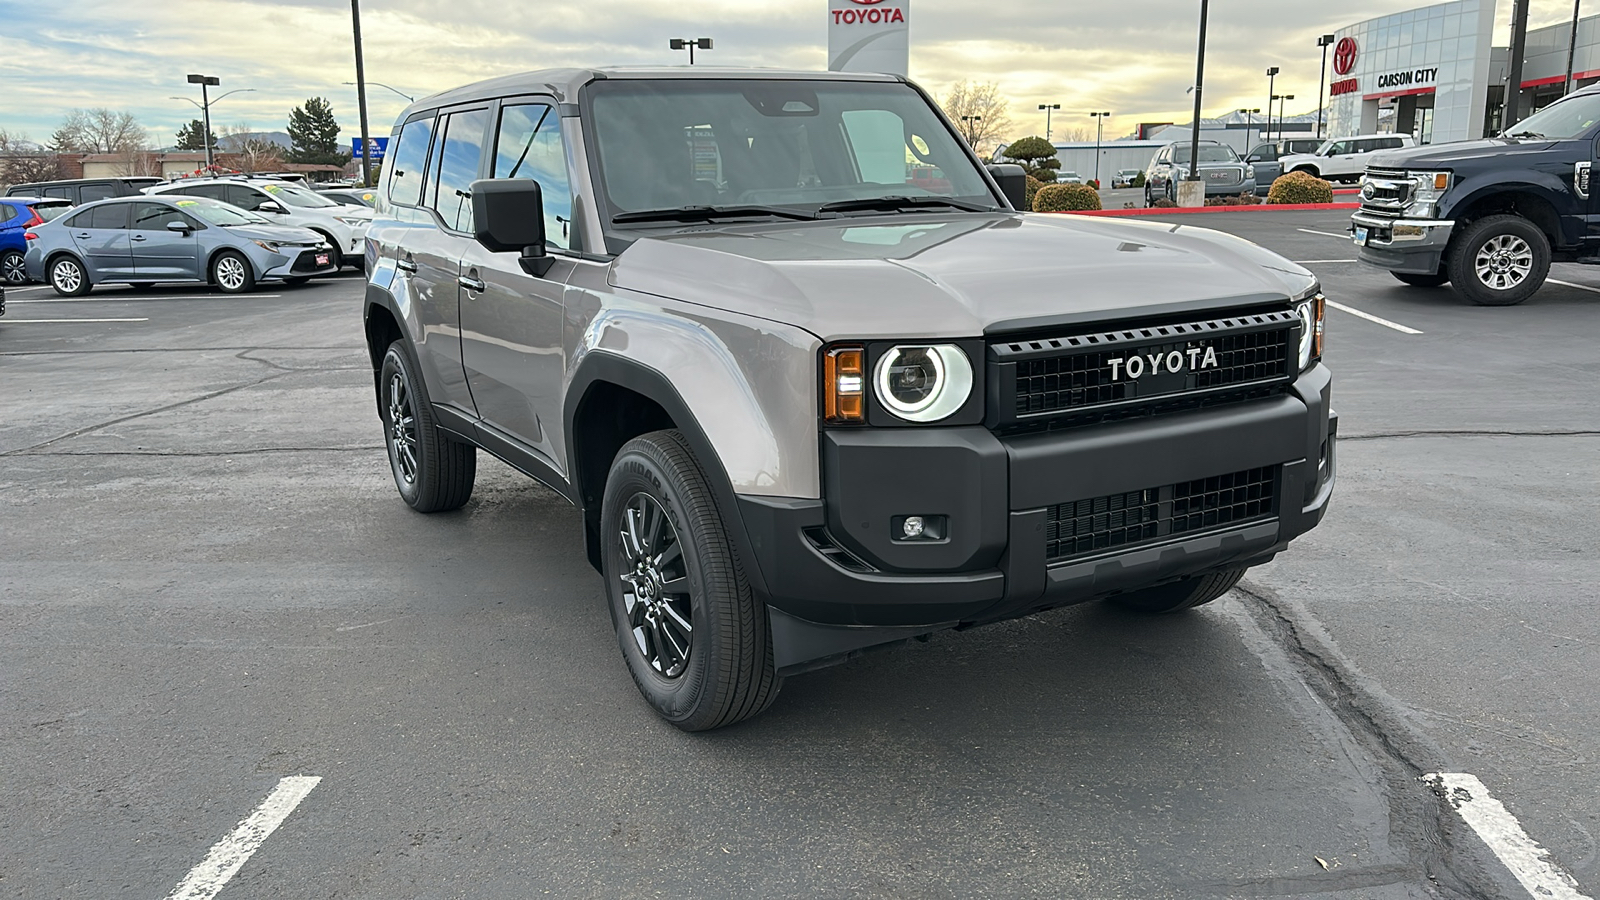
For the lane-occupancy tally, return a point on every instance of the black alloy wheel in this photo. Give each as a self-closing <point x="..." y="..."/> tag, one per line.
<point x="693" y="635"/>
<point x="432" y="472"/>
<point x="13" y="268"/>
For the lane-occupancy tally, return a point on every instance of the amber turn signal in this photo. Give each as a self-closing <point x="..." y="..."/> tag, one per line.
<point x="844" y="385"/>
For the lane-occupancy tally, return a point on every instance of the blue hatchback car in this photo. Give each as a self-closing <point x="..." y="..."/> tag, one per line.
<point x="17" y="215"/>
<point x="152" y="240"/>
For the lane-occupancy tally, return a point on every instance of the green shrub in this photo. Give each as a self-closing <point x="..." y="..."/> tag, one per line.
<point x="1093" y="183"/>
<point x="1034" y="185"/>
<point x="1036" y="155"/>
<point x="1138" y="181"/>
<point x="1300" y="187"/>
<point x="1241" y="200"/>
<point x="1066" y="198"/>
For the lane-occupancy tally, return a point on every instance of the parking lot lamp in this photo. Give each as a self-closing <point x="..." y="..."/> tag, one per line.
<point x="972" y="130"/>
<point x="206" y="81"/>
<point x="361" y="96"/>
<point x="1199" y="83"/>
<point x="1047" y="107"/>
<point x="1322" y="80"/>
<point x="1281" y="98"/>
<point x="1272" y="72"/>
<point x="682" y="43"/>
<point x="1099" y="125"/>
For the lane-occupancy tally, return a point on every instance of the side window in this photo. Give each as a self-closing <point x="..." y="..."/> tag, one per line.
<point x="458" y="168"/>
<point x="1393" y="143"/>
<point x="7" y="212"/>
<point x="1341" y="147"/>
<point x="529" y="146"/>
<point x="409" y="159"/>
<point x="90" y="192"/>
<point x="63" y="193"/>
<point x="242" y="197"/>
<point x="155" y="216"/>
<point x="214" y="191"/>
<point x="112" y="215"/>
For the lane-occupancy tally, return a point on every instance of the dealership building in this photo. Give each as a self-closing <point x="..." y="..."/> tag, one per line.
<point x="1433" y="73"/>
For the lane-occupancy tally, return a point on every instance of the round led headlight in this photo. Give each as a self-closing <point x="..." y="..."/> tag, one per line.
<point x="923" y="383"/>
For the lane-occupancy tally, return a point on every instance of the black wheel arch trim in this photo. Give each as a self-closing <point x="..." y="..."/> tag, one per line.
<point x="602" y="367"/>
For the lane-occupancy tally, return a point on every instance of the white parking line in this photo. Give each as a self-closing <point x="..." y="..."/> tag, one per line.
<point x="133" y="298"/>
<point x="230" y="853"/>
<point x="1504" y="835"/>
<point x="1372" y="318"/>
<point x="1581" y="287"/>
<point x="5" y="321"/>
<point x="1342" y="237"/>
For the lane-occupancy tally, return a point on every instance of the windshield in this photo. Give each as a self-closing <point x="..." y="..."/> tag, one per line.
<point x="1561" y="121"/>
<point x="298" y="196"/>
<point x="215" y="212"/>
<point x="1209" y="153"/>
<point x="665" y="145"/>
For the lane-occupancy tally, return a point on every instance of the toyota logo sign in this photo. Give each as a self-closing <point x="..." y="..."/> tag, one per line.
<point x="1344" y="55"/>
<point x="866" y="2"/>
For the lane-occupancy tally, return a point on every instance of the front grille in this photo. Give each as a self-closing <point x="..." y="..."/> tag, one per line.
<point x="1225" y="177"/>
<point x="1048" y="378"/>
<point x="1386" y="191"/>
<point x="307" y="262"/>
<point x="1084" y="527"/>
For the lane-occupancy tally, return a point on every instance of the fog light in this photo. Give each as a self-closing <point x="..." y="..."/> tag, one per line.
<point x="919" y="529"/>
<point x="912" y="527"/>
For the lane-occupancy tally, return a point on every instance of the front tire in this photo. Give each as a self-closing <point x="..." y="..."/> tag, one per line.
<point x="432" y="472"/>
<point x="1499" y="260"/>
<point x="69" y="278"/>
<point x="232" y="273"/>
<point x="1180" y="595"/>
<point x="13" y="269"/>
<point x="693" y="635"/>
<point x="1418" y="280"/>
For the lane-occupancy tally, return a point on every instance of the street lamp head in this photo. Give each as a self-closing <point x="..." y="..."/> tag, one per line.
<point x="675" y="44"/>
<point x="705" y="43"/>
<point x="1325" y="40"/>
<point x="1272" y="70"/>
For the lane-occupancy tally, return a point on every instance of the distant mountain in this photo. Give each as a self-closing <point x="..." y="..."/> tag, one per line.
<point x="281" y="138"/>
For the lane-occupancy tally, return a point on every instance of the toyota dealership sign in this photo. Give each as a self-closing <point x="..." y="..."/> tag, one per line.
<point x="869" y="36"/>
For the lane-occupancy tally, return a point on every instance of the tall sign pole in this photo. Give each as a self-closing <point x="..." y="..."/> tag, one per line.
<point x="1195" y="187"/>
<point x="1322" y="78"/>
<point x="1572" y="47"/>
<point x="361" y="97"/>
<point x="1519" y="48"/>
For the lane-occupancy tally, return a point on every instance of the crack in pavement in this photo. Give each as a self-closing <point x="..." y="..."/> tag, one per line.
<point x="1418" y="819"/>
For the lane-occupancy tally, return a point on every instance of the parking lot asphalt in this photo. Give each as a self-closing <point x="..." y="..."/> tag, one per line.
<point x="207" y="584"/>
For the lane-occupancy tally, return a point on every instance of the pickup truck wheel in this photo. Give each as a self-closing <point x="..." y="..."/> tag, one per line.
<point x="432" y="472"/>
<point x="1417" y="280"/>
<point x="1499" y="260"/>
<point x="1180" y="595"/>
<point x="694" y="637"/>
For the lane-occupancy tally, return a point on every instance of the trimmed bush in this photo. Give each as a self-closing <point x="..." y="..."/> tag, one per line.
<point x="1241" y="200"/>
<point x="1138" y="181"/>
<point x="1034" y="185"/>
<point x="1066" y="198"/>
<point x="1300" y="187"/>
<point x="1093" y="183"/>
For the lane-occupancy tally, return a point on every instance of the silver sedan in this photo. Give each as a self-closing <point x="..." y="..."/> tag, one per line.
<point x="154" y="240"/>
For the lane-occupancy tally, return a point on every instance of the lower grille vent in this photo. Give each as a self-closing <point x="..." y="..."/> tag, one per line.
<point x="1117" y="520"/>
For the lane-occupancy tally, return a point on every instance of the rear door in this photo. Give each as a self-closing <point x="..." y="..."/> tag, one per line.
<point x="159" y="252"/>
<point x="101" y="234"/>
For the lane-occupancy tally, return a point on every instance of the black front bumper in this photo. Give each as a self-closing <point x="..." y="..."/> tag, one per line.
<point x="838" y="580"/>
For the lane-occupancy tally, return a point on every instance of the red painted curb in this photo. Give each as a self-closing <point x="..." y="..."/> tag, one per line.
<point x="1181" y="210"/>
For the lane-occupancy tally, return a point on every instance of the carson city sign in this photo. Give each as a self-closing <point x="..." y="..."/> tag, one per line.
<point x="869" y="36"/>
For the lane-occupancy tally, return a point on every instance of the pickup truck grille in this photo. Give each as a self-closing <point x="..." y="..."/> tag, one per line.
<point x="1036" y="381"/>
<point x="1386" y="192"/>
<point x="1085" y="527"/>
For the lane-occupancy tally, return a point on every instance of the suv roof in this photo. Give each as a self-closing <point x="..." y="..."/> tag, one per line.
<point x="565" y="83"/>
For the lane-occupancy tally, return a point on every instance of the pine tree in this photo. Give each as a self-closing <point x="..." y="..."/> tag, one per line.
<point x="314" y="133"/>
<point x="189" y="136"/>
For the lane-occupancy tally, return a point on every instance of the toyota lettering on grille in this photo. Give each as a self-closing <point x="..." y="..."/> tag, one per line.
<point x="1136" y="365"/>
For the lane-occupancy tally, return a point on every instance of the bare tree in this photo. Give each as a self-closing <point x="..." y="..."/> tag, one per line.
<point x="28" y="168"/>
<point x="11" y="143"/>
<point x="250" y="153"/>
<point x="979" y="111"/>
<point x="1075" y="134"/>
<point x="99" y="130"/>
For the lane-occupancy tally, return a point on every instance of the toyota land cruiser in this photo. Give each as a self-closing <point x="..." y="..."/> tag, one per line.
<point x="807" y="404"/>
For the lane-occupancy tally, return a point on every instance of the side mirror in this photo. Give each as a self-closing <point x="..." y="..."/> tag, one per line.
<point x="271" y="206"/>
<point x="1013" y="181"/>
<point x="179" y="226"/>
<point x="507" y="216"/>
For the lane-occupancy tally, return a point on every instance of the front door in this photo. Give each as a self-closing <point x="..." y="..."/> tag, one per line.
<point x="511" y="327"/>
<point x="101" y="233"/>
<point x="159" y="252"/>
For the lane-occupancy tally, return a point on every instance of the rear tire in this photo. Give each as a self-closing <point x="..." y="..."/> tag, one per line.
<point x="13" y="269"/>
<point x="693" y="635"/>
<point x="69" y="277"/>
<point x="1180" y="595"/>
<point x="1418" y="280"/>
<point x="432" y="472"/>
<point x="1499" y="260"/>
<point x="232" y="273"/>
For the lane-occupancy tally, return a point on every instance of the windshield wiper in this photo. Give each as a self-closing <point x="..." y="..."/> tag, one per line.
<point x="892" y="203"/>
<point x="1528" y="134"/>
<point x="706" y="213"/>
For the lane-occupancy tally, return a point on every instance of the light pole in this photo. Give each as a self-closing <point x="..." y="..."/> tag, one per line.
<point x="1047" y="107"/>
<point x="1272" y="73"/>
<point x="1249" y="123"/>
<point x="382" y="85"/>
<point x="972" y="130"/>
<point x="1322" y="79"/>
<point x="682" y="43"/>
<point x="1281" y="98"/>
<point x="1572" y="47"/>
<point x="206" y="81"/>
<point x="361" y="96"/>
<point x="1099" y="124"/>
<point x="1199" y="83"/>
<point x="204" y="107"/>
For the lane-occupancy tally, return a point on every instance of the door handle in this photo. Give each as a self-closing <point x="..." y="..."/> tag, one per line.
<point x="406" y="265"/>
<point x="137" y="237"/>
<point x="82" y="235"/>
<point x="475" y="285"/>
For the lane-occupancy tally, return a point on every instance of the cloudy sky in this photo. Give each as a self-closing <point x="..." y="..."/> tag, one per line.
<point x="1135" y="58"/>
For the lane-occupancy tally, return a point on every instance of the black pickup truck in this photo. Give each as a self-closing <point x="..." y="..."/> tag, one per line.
<point x="1487" y="216"/>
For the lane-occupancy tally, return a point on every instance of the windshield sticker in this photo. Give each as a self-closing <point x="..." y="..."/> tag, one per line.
<point x="186" y="203"/>
<point x="271" y="188"/>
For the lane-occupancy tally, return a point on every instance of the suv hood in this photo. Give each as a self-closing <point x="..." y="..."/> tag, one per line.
<point x="956" y="276"/>
<point x="1444" y="156"/>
